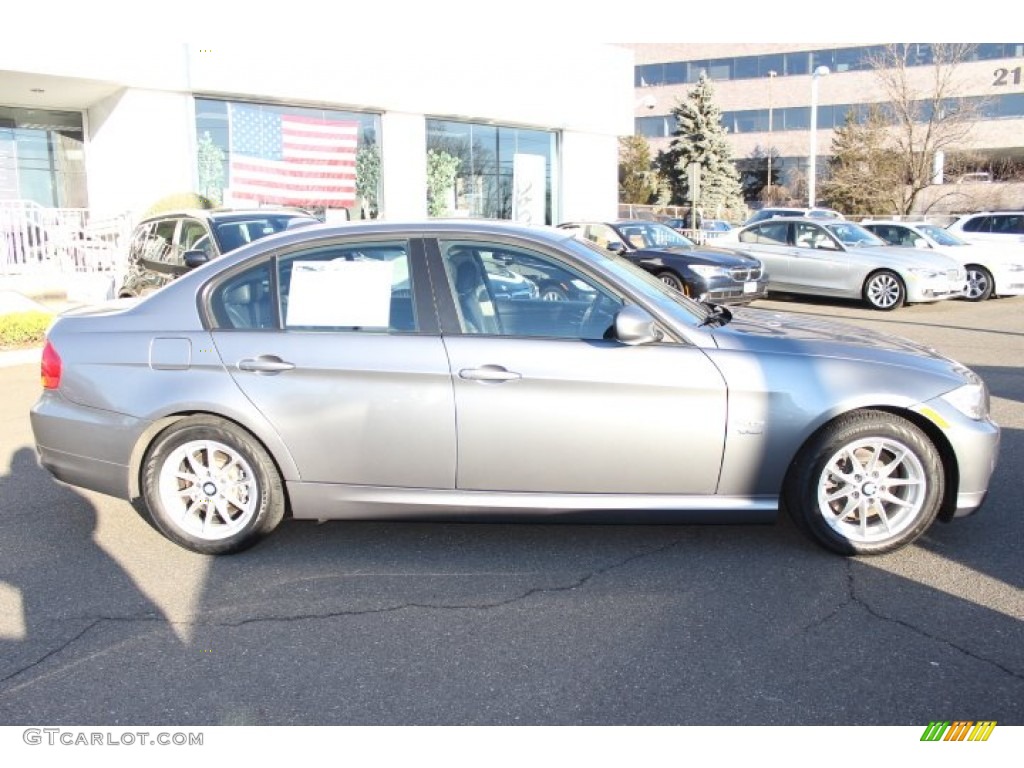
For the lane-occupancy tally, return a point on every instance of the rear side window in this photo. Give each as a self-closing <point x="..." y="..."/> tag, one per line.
<point x="1008" y="225"/>
<point x="364" y="287"/>
<point x="770" y="233"/>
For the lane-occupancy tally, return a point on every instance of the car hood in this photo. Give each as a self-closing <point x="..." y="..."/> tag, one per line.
<point x="722" y="257"/>
<point x="765" y="331"/>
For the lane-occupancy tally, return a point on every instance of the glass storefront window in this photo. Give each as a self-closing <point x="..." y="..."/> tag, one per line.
<point x="500" y="172"/>
<point x="42" y="157"/>
<point x="324" y="161"/>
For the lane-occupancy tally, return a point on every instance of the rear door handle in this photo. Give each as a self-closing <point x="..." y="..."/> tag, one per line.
<point x="265" y="364"/>
<point x="489" y="373"/>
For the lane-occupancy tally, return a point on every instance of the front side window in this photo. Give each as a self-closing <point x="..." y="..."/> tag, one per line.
<point x="505" y="291"/>
<point x="191" y="232"/>
<point x="809" y="236"/>
<point x="159" y="246"/>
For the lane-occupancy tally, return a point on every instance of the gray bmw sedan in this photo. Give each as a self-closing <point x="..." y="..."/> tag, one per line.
<point x="376" y="371"/>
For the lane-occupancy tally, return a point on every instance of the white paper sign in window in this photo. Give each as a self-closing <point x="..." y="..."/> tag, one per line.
<point x="340" y="294"/>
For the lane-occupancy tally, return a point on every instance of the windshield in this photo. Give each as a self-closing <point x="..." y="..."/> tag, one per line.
<point x="237" y="232"/>
<point x="853" y="234"/>
<point x="940" y="235"/>
<point x="651" y="234"/>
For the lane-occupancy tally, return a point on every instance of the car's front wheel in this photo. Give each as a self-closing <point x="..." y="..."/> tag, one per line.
<point x="211" y="487"/>
<point x="672" y="280"/>
<point x="884" y="290"/>
<point x="867" y="483"/>
<point x="979" y="283"/>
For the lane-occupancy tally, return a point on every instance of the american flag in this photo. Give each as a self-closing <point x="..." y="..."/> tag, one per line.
<point x="291" y="159"/>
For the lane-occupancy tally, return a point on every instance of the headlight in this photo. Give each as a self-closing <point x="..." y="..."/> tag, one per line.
<point x="707" y="270"/>
<point x="1015" y="267"/>
<point x="970" y="399"/>
<point x="923" y="272"/>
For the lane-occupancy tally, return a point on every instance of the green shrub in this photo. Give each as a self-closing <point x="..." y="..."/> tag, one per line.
<point x="179" y="201"/>
<point x="24" y="329"/>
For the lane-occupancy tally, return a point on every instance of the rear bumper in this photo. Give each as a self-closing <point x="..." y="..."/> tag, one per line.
<point x="85" y="447"/>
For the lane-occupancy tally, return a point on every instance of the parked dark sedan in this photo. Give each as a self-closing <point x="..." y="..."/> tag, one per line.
<point x="705" y="273"/>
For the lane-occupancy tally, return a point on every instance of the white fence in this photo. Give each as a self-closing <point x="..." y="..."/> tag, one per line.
<point x="35" y="239"/>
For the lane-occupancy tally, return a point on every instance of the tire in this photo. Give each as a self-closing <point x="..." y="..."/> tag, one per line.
<point x="211" y="487"/>
<point x="979" y="283"/>
<point x="672" y="280"/>
<point x="553" y="294"/>
<point x="884" y="291"/>
<point x="868" y="483"/>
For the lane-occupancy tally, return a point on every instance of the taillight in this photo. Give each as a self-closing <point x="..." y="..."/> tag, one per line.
<point x="50" y="367"/>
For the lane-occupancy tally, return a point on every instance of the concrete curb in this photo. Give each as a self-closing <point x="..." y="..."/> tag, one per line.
<point x="13" y="357"/>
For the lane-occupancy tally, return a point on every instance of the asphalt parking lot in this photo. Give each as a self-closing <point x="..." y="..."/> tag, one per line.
<point x="103" y="621"/>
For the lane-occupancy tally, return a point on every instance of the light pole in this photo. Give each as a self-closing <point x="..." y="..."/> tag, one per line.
<point x="771" y="76"/>
<point x="812" y="169"/>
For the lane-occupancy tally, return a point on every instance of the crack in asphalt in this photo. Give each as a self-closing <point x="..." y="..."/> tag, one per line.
<point x="582" y="581"/>
<point x="853" y="598"/>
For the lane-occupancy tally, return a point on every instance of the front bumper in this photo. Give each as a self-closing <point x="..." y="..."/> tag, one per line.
<point x="725" y="290"/>
<point x="975" y="446"/>
<point x="925" y="289"/>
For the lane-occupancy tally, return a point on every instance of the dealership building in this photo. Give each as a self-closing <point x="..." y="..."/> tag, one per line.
<point x="765" y="92"/>
<point x="353" y="130"/>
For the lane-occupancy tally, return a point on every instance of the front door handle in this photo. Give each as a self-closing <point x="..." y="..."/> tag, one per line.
<point x="265" y="364"/>
<point x="489" y="373"/>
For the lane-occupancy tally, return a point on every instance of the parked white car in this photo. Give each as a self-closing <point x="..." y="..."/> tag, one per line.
<point x="1005" y="227"/>
<point x="992" y="269"/>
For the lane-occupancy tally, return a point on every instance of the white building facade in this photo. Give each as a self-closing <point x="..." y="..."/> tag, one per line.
<point x="526" y="134"/>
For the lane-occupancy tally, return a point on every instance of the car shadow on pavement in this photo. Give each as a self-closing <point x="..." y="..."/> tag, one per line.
<point x="62" y="596"/>
<point x="567" y="624"/>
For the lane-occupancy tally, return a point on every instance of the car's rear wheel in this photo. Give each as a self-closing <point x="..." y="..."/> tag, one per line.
<point x="211" y="487"/>
<point x="884" y="290"/>
<point x="867" y="483"/>
<point x="979" y="283"/>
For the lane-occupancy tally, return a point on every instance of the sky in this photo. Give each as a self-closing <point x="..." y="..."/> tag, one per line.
<point x="449" y="21"/>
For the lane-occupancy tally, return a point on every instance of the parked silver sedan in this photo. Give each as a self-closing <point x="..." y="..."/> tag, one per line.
<point x="842" y="259"/>
<point x="372" y="371"/>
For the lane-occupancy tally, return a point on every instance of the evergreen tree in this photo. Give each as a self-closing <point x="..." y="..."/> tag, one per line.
<point x="638" y="181"/>
<point x="865" y="173"/>
<point x="700" y="138"/>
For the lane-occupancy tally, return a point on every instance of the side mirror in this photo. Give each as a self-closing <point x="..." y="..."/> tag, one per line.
<point x="920" y="242"/>
<point x="634" y="325"/>
<point x="616" y="246"/>
<point x="826" y="244"/>
<point x="195" y="258"/>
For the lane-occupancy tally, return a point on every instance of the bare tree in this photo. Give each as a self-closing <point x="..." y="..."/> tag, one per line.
<point x="923" y="84"/>
<point x="865" y="172"/>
